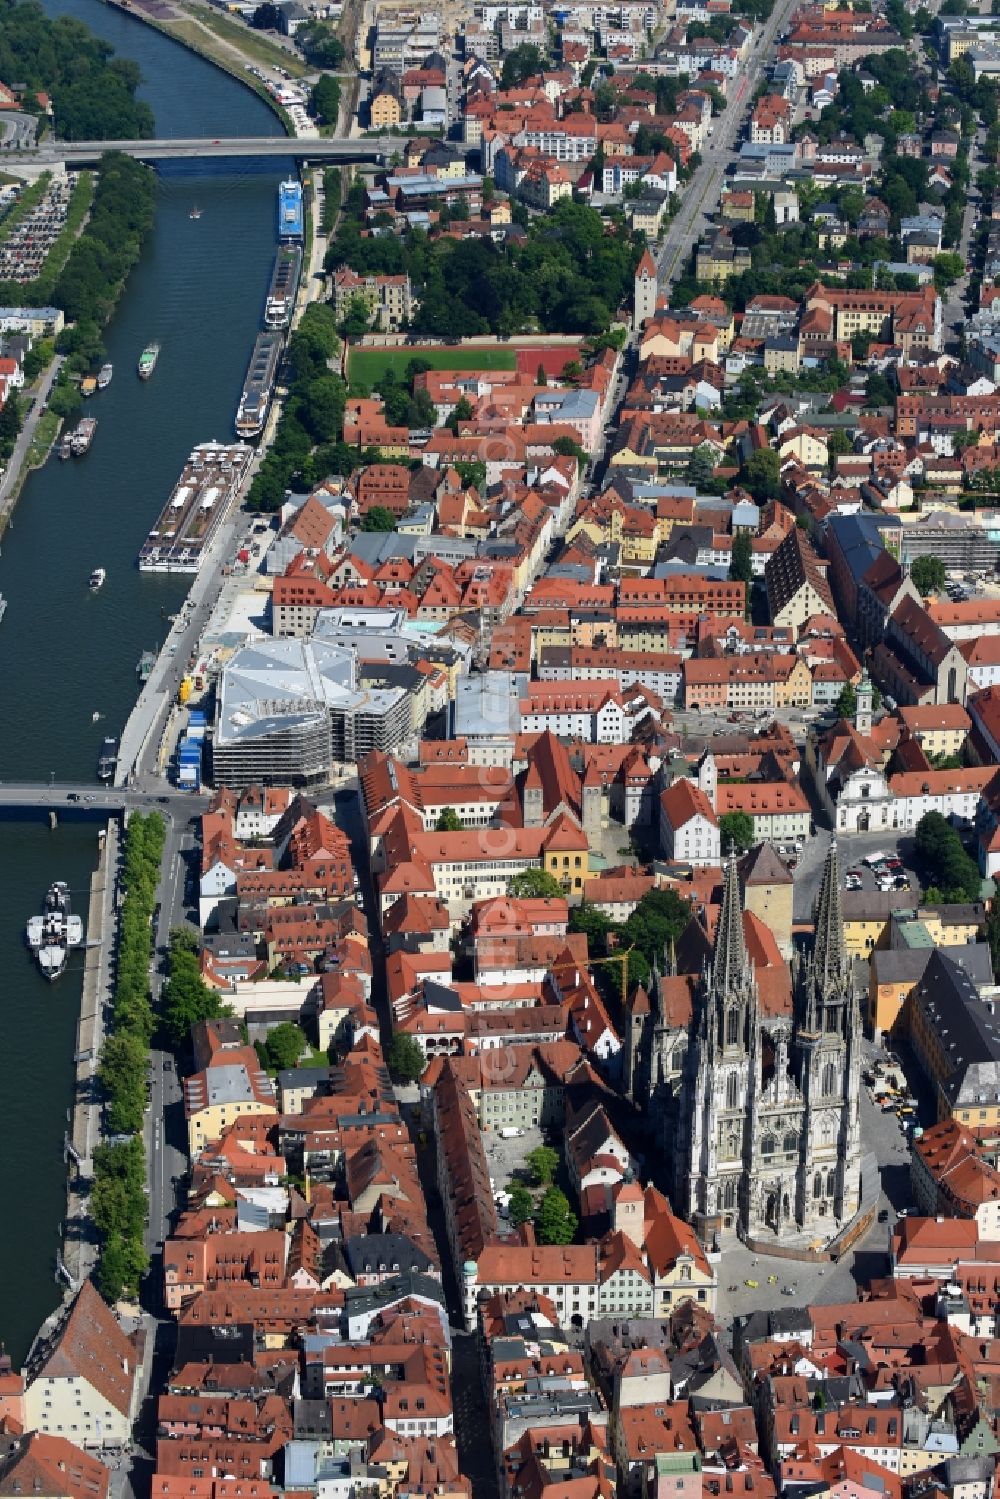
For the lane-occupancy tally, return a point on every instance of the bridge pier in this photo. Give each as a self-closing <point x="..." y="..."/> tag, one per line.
<point x="53" y="820"/>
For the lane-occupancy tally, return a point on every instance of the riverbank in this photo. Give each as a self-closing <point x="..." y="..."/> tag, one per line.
<point x="79" y="1253"/>
<point x="198" y="38"/>
<point x="27" y="455"/>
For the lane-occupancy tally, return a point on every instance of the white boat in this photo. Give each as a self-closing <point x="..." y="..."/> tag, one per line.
<point x="3" y="606"/>
<point x="52" y="934"/>
<point x="97" y="578"/>
<point x="52" y="959"/>
<point x="95" y="717"/>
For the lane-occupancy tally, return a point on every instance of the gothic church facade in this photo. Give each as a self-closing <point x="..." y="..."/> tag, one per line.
<point x="758" y="1114"/>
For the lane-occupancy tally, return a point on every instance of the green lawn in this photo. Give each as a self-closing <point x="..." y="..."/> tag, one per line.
<point x="253" y="44"/>
<point x="367" y="366"/>
<point x="43" y="438"/>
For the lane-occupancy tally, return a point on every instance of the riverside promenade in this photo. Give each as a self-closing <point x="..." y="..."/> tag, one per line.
<point x="79" y="1245"/>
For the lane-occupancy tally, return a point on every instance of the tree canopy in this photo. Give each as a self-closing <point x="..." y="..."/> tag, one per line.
<point x="555" y="1221"/>
<point x="92" y="91"/>
<point x="534" y="883"/>
<point x="736" y="831"/>
<point x="406" y="1058"/>
<point x="282" y="1047"/>
<point x="953" y="875"/>
<point x="186" y="998"/>
<point x="928" y="574"/>
<point x="570" y="275"/>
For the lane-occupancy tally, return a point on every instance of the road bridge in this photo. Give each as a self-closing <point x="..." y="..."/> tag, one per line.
<point x="85" y="796"/>
<point x="303" y="148"/>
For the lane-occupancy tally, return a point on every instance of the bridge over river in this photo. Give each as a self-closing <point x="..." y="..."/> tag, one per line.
<point x="86" y="796"/>
<point x="303" y="148"/>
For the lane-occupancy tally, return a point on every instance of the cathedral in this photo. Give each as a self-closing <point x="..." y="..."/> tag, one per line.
<point x="755" y="1106"/>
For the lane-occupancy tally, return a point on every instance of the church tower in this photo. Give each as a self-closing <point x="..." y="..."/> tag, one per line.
<point x="646" y="290"/>
<point x="828" y="1065"/>
<point x="721" y="1082"/>
<point x="865" y="701"/>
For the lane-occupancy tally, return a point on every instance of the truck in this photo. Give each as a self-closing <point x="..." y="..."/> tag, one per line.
<point x="510" y="1133"/>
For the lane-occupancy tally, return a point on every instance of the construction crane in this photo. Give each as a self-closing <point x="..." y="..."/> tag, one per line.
<point x="620" y="958"/>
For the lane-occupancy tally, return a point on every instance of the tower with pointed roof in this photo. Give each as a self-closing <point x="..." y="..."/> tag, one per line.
<point x="646" y="290"/>
<point x="828" y="1059"/>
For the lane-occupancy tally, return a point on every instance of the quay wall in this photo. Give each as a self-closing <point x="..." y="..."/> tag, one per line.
<point x="79" y="1245"/>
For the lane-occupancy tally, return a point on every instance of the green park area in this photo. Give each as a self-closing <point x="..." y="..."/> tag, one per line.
<point x="367" y="366"/>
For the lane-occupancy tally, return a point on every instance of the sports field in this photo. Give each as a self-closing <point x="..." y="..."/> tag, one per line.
<point x="367" y="366"/>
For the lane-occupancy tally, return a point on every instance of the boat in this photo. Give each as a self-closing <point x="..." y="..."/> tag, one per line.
<point x="97" y="578"/>
<point x="195" y="212"/>
<point x="259" y="384"/>
<point x="3" y="606"/>
<point x="290" y="221"/>
<point x="104" y="376"/>
<point x="107" y="760"/>
<point x="88" y="385"/>
<point x="95" y="717"/>
<point x="65" y="449"/>
<point x="183" y="531"/>
<point x="284" y="284"/>
<point x="147" y="360"/>
<point x="82" y="436"/>
<point x="51" y="935"/>
<point x="145" y="664"/>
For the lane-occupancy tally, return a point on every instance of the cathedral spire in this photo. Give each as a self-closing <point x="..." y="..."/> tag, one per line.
<point x="825" y="978"/>
<point x="830" y="954"/>
<point x="729" y="958"/>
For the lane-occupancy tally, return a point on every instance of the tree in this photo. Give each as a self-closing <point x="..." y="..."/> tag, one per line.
<point x="472" y="473"/>
<point x="949" y="868"/>
<point x="568" y="447"/>
<point x="462" y="411"/>
<point x="735" y="831"/>
<point x="406" y="1058"/>
<point x="10" y="423"/>
<point x="948" y="267"/>
<point x="122" y="1075"/>
<point x="324" y="101"/>
<point x="837" y="443"/>
<point x="555" y="1222"/>
<point x="282" y="1047"/>
<point x="847" y="703"/>
<point x="543" y="1163"/>
<point x="701" y="467"/>
<point x="928" y="575"/>
<point x="762" y="474"/>
<point x="741" y="559"/>
<point x="521" y="1206"/>
<point x="541" y="378"/>
<point x="448" y="822"/>
<point x="186" y="999"/>
<point x="524" y="62"/>
<point x="534" y="884"/>
<point x="378" y="518"/>
<point x="878" y="391"/>
<point x="266" y="17"/>
<point x="320" y="44"/>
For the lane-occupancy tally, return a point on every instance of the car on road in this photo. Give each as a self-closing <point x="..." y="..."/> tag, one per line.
<point x="72" y="796"/>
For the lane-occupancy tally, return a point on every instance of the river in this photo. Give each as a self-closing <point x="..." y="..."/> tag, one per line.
<point x="65" y="653"/>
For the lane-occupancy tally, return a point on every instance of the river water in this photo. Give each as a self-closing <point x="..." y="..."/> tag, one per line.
<point x="66" y="654"/>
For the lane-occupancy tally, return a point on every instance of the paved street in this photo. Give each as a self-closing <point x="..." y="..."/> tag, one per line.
<point x="701" y="194"/>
